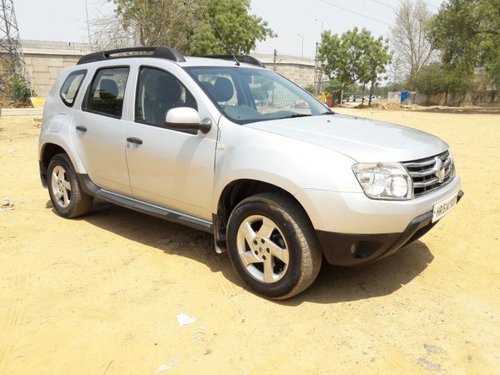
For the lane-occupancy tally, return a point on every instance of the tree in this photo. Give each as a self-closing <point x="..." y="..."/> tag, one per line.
<point x="107" y="32"/>
<point x="437" y="78"/>
<point x="467" y="32"/>
<point x="409" y="38"/>
<point x="192" y="26"/>
<point x="396" y="72"/>
<point x="431" y="80"/>
<point x="353" y="56"/>
<point x="378" y="57"/>
<point x="157" y="22"/>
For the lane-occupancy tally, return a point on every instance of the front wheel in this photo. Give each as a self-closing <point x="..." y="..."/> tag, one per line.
<point x="65" y="192"/>
<point x="272" y="245"/>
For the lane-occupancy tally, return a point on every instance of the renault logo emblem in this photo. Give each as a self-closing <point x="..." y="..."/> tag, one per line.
<point x="439" y="170"/>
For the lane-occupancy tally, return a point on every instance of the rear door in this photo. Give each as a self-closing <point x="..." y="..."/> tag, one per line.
<point x="99" y="130"/>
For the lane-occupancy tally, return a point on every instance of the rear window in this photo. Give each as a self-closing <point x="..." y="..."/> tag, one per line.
<point x="71" y="86"/>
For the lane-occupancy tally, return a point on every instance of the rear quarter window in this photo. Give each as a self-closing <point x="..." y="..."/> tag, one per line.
<point x="71" y="86"/>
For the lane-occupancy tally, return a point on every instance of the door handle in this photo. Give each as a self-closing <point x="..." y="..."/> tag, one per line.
<point x="81" y="128"/>
<point x="135" y="140"/>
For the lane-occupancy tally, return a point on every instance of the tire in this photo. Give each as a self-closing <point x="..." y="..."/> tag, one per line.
<point x="65" y="192"/>
<point x="272" y="245"/>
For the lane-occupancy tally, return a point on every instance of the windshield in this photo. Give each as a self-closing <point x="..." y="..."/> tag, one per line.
<point x="247" y="95"/>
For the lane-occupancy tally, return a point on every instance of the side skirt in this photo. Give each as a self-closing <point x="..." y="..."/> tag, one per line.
<point x="150" y="209"/>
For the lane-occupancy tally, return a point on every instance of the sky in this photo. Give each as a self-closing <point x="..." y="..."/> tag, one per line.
<point x="298" y="23"/>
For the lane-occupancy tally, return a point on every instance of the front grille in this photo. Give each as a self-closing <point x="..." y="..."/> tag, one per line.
<point x="430" y="173"/>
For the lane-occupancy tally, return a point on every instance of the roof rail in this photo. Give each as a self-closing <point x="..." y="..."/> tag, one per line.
<point x="241" y="58"/>
<point x="158" y="52"/>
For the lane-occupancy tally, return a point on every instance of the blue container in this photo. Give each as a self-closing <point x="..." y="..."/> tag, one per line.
<point x="405" y="95"/>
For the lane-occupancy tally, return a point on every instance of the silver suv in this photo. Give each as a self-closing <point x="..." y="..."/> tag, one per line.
<point x="226" y="146"/>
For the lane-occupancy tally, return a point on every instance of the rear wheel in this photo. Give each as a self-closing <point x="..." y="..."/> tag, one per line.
<point x="272" y="245"/>
<point x="65" y="192"/>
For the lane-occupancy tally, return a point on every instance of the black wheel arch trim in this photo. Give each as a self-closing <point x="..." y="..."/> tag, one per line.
<point x="44" y="159"/>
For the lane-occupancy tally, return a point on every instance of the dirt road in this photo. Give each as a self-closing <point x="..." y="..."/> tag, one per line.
<point x="103" y="294"/>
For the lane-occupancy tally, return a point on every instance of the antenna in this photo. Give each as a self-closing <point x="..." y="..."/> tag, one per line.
<point x="224" y="43"/>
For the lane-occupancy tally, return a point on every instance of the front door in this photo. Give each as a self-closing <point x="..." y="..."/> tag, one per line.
<point x="168" y="168"/>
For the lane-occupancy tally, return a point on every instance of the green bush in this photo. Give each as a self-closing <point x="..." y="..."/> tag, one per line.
<point x="431" y="80"/>
<point x="311" y="89"/>
<point x="19" y="90"/>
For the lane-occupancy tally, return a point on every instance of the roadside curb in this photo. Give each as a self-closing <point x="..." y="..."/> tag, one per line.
<point x="6" y="112"/>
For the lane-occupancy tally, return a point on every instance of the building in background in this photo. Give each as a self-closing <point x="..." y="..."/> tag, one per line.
<point x="46" y="60"/>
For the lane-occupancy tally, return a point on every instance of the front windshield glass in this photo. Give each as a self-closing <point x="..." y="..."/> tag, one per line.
<point x="247" y="95"/>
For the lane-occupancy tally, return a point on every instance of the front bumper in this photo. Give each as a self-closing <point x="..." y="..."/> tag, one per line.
<point x="355" y="249"/>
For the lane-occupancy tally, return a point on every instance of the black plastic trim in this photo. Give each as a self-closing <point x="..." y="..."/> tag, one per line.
<point x="73" y="74"/>
<point x="219" y="232"/>
<point x="135" y="140"/>
<point x="43" y="173"/>
<point x="90" y="188"/>
<point x="160" y="52"/>
<point x="345" y="249"/>
<point x="247" y="59"/>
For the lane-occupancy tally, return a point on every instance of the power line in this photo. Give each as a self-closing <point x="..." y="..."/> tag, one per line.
<point x="385" y="5"/>
<point x="353" y="12"/>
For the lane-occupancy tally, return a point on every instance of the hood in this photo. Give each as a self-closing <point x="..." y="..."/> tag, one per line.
<point x="361" y="139"/>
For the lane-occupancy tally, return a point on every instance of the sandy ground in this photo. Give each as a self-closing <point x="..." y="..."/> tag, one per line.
<point x="102" y="295"/>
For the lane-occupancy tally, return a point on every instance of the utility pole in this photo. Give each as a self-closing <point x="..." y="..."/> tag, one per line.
<point x="88" y="23"/>
<point x="316" y="69"/>
<point x="318" y="73"/>
<point x="11" y="53"/>
<point x="302" y="49"/>
<point x="274" y="69"/>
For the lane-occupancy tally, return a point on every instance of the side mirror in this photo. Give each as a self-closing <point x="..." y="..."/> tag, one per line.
<point x="186" y="119"/>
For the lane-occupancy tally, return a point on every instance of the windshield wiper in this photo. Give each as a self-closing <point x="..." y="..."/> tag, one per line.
<point x="297" y="115"/>
<point x="327" y="113"/>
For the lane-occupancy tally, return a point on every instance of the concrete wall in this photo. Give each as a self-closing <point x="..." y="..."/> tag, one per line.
<point x="480" y="99"/>
<point x="46" y="60"/>
<point x="300" y="70"/>
<point x="302" y="75"/>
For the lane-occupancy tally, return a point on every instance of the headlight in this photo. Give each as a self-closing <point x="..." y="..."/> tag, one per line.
<point x="384" y="180"/>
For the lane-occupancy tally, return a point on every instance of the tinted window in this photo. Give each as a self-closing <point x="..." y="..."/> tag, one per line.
<point x="71" y="86"/>
<point x="157" y="92"/>
<point x="107" y="92"/>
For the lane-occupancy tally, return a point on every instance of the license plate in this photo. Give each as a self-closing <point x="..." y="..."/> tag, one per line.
<point x="443" y="207"/>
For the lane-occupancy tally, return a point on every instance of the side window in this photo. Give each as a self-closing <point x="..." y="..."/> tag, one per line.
<point x="107" y="91"/>
<point x="71" y="86"/>
<point x="158" y="92"/>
